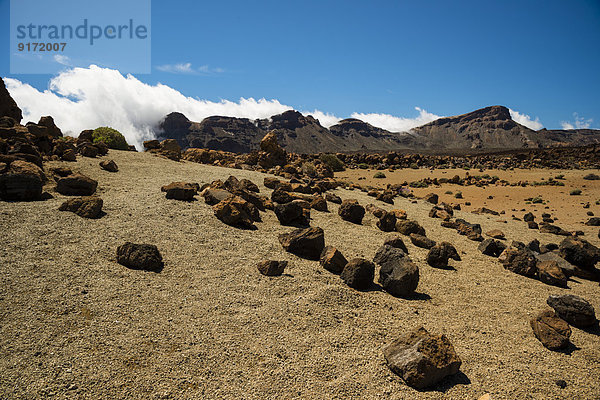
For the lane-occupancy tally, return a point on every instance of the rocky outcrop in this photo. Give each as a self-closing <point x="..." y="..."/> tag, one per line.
<point x="8" y="107"/>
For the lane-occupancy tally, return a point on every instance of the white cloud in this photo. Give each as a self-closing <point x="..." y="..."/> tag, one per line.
<point x="397" y="124"/>
<point x="526" y="120"/>
<point x="187" y="68"/>
<point x="325" y="119"/>
<point x="86" y="98"/>
<point x="578" y="123"/>
<point x="62" y="59"/>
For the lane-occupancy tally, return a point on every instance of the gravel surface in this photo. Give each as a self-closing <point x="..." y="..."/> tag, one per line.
<point x="75" y="324"/>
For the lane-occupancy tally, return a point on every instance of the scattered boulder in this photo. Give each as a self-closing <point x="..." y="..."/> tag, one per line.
<point x="591" y="177"/>
<point x="521" y="261"/>
<point x="271" y="267"/>
<point x="579" y="252"/>
<point x="333" y="198"/>
<point x="180" y="190"/>
<point x="86" y="207"/>
<point x="552" y="331"/>
<point x="421" y="241"/>
<point x="532" y="225"/>
<point x="306" y="243"/>
<point x="248" y="185"/>
<point x="76" y="185"/>
<point x="237" y="212"/>
<point x="422" y="359"/>
<point x="109" y="165"/>
<point x="431" y="198"/>
<point x="491" y="247"/>
<point x="439" y="255"/>
<point x="553" y="229"/>
<point x="358" y="273"/>
<point x="573" y="309"/>
<point x="550" y="273"/>
<point x="397" y="242"/>
<point x="443" y="211"/>
<point x="21" y="181"/>
<point x="319" y="204"/>
<point x="51" y="128"/>
<point x="406" y="227"/>
<point x="399" y="276"/>
<point x="528" y="217"/>
<point x="140" y="256"/>
<point x="292" y="214"/>
<point x="387" y="253"/>
<point x="496" y="234"/>
<point x="387" y="222"/>
<point x="332" y="260"/>
<point x="351" y="211"/>
<point x="214" y="196"/>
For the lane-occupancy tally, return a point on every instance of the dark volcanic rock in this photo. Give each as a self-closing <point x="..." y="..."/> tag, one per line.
<point x="351" y="211"/>
<point x="332" y="260"/>
<point x="306" y="243"/>
<point x="86" y="207"/>
<point x="8" y="107"/>
<point x="552" y="331"/>
<point x="397" y="242"/>
<point x="551" y="273"/>
<point x="271" y="267"/>
<point x="520" y="261"/>
<point x="421" y="241"/>
<point x="237" y="212"/>
<point x="76" y="185"/>
<point x="21" y="181"/>
<point x="399" y="276"/>
<point x="387" y="222"/>
<point x="358" y="273"/>
<point x="387" y="253"/>
<point x="573" y="309"/>
<point x="180" y="190"/>
<point x="292" y="214"/>
<point x="579" y="252"/>
<point x="109" y="165"/>
<point x="439" y="255"/>
<point x="140" y="256"/>
<point x="422" y="359"/>
<point x="491" y="247"/>
<point x="406" y="227"/>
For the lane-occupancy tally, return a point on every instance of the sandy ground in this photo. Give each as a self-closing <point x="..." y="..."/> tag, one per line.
<point x="75" y="324"/>
<point x="568" y="210"/>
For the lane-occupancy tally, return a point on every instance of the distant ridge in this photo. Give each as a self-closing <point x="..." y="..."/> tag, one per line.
<point x="489" y="128"/>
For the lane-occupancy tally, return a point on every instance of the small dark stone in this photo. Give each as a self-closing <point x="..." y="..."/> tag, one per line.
<point x="140" y="256"/>
<point x="271" y="267"/>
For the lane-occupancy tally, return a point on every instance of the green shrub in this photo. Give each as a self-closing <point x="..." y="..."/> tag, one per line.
<point x="333" y="162"/>
<point x="308" y="169"/>
<point x="537" y="200"/>
<point x="112" y="137"/>
<point x="448" y="192"/>
<point x="561" y="176"/>
<point x="414" y="166"/>
<point x="363" y="166"/>
<point x="379" y="175"/>
<point x="575" y="192"/>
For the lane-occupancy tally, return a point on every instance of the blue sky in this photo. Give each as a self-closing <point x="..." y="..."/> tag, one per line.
<point x="449" y="57"/>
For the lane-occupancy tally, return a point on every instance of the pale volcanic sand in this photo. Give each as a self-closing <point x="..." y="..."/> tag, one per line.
<point x="559" y="203"/>
<point x="75" y="324"/>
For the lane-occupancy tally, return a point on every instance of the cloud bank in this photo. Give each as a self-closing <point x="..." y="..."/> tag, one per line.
<point x="86" y="98"/>
<point x="397" y="124"/>
<point x="526" y="120"/>
<point x="578" y="123"/>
